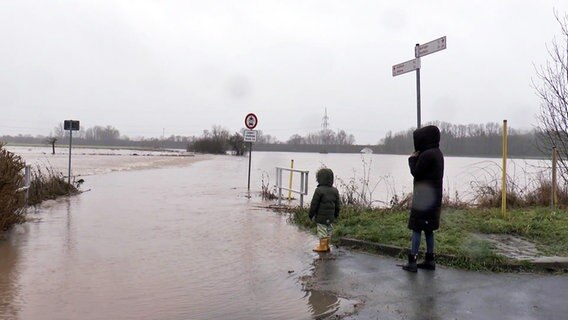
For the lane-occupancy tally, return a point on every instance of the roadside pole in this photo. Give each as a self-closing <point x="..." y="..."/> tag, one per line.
<point x="418" y="113"/>
<point x="553" y="192"/>
<point x="504" y="175"/>
<point x="250" y="136"/>
<point x="70" y="143"/>
<point x="250" y="159"/>
<point x="71" y="125"/>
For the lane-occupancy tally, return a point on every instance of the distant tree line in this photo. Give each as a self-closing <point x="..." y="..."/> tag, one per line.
<point x="460" y="140"/>
<point x="483" y="140"/>
<point x="99" y="136"/>
<point x="323" y="137"/>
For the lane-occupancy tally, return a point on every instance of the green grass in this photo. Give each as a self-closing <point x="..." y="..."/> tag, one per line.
<point x="545" y="227"/>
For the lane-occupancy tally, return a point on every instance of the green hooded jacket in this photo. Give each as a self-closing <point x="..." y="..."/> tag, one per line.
<point x="325" y="204"/>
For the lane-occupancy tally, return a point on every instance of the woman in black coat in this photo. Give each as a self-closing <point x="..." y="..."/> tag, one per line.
<point x="427" y="167"/>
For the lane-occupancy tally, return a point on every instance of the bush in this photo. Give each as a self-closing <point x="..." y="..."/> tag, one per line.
<point x="11" y="201"/>
<point x="45" y="184"/>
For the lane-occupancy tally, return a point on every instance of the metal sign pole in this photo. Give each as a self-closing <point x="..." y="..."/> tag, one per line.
<point x="418" y="115"/>
<point x="250" y="156"/>
<point x="70" y="139"/>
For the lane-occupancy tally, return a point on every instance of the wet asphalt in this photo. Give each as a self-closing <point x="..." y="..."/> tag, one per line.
<point x="381" y="290"/>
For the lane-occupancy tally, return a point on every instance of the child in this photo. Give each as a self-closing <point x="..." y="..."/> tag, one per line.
<point x="324" y="208"/>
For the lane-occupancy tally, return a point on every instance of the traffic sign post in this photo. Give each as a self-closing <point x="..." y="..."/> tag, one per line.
<point x="71" y="125"/>
<point x="250" y="136"/>
<point x="415" y="64"/>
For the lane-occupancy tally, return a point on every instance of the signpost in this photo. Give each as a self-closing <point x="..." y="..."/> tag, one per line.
<point x="71" y="125"/>
<point x="430" y="47"/>
<point x="405" y="67"/>
<point x="250" y="136"/>
<point x="414" y="64"/>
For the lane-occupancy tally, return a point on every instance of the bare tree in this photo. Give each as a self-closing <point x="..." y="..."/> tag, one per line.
<point x="51" y="141"/>
<point x="552" y="89"/>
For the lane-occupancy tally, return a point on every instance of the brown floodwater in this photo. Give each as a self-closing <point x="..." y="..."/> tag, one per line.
<point x="169" y="243"/>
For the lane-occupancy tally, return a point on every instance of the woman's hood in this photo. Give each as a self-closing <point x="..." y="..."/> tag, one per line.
<point x="427" y="137"/>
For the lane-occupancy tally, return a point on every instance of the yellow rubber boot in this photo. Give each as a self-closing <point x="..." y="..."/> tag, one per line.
<point x="321" y="247"/>
<point x="326" y="244"/>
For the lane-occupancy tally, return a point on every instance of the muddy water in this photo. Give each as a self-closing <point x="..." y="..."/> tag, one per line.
<point x="182" y="242"/>
<point x="171" y="243"/>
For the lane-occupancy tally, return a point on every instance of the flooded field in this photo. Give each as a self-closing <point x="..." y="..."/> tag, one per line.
<point x="180" y="240"/>
<point x="172" y="243"/>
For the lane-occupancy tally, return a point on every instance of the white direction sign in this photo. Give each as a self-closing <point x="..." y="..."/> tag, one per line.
<point x="250" y="136"/>
<point x="430" y="47"/>
<point x="405" y="67"/>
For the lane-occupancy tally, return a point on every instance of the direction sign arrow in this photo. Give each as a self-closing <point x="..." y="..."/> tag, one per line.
<point x="430" y="47"/>
<point x="405" y="67"/>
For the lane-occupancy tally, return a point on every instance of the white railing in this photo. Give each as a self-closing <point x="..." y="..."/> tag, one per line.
<point x="303" y="187"/>
<point x="27" y="182"/>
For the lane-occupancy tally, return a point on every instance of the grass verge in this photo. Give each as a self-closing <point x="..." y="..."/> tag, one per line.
<point x="545" y="227"/>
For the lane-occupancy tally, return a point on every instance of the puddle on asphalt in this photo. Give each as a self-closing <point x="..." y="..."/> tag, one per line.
<point x="321" y="303"/>
<point x="327" y="305"/>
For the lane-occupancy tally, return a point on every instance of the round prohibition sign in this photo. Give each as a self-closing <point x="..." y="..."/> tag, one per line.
<point x="251" y="121"/>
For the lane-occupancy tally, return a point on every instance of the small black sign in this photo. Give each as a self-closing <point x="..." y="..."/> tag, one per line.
<point x="71" y="125"/>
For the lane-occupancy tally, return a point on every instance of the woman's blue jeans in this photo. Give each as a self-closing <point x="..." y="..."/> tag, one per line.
<point x="416" y="235"/>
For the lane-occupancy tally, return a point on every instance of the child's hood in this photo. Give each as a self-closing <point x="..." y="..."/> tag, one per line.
<point x="324" y="177"/>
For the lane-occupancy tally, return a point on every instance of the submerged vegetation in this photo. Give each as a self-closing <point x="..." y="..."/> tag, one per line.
<point x="45" y="184"/>
<point x="11" y="179"/>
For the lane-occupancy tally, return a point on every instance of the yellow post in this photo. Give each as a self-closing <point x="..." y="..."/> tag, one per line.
<point x="291" y="175"/>
<point x="504" y="177"/>
<point x="554" y="195"/>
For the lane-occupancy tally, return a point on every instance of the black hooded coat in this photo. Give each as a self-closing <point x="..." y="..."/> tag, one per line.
<point x="428" y="170"/>
<point x="325" y="205"/>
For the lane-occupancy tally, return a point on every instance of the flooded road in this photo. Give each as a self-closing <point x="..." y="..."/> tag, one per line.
<point x="176" y="242"/>
<point x="171" y="243"/>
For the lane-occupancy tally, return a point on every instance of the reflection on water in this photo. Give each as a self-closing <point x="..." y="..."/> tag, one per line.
<point x="8" y="280"/>
<point x="322" y="304"/>
<point x="175" y="243"/>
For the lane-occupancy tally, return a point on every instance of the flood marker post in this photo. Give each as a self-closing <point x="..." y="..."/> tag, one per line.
<point x="414" y="64"/>
<point x="71" y="125"/>
<point x="553" y="193"/>
<point x="250" y="136"/>
<point x="504" y="172"/>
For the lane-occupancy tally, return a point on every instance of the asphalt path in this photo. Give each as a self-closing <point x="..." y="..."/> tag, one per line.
<point x="387" y="292"/>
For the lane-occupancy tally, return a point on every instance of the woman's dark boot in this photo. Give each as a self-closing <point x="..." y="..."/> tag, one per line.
<point x="428" y="263"/>
<point x="411" y="266"/>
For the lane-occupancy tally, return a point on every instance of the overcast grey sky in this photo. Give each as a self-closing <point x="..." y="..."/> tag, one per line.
<point x="146" y="67"/>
